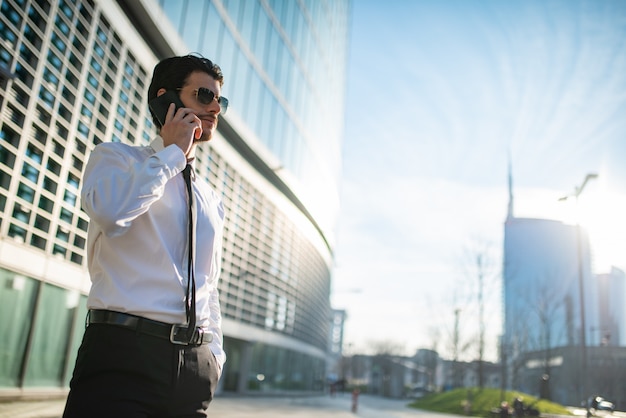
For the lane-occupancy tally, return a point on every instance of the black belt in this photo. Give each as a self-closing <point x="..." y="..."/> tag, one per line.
<point x="176" y="334"/>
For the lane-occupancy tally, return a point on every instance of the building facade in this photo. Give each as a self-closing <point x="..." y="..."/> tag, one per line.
<point x="542" y="284"/>
<point x="611" y="297"/>
<point x="75" y="73"/>
<point x="549" y="294"/>
<point x="559" y="378"/>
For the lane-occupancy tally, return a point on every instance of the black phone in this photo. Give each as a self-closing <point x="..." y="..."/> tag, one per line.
<point x="160" y="104"/>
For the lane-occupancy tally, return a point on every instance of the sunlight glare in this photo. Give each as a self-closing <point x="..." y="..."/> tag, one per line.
<point x="601" y="212"/>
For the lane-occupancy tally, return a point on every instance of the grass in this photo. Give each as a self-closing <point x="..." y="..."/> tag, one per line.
<point x="482" y="402"/>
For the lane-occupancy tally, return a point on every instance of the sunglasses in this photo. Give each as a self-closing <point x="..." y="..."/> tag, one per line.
<point x="205" y="96"/>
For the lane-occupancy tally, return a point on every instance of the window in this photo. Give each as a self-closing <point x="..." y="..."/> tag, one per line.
<point x="17" y="301"/>
<point x="54" y="60"/>
<point x="34" y="153"/>
<point x="21" y="214"/>
<point x="90" y="97"/>
<point x="102" y="35"/>
<point x="53" y="166"/>
<point x="5" y="182"/>
<point x="24" y="74"/>
<point x="30" y="172"/>
<point x="43" y="115"/>
<point x="46" y="204"/>
<point x="8" y="35"/>
<point x="112" y="63"/>
<point x="68" y="95"/>
<point x="50" y="336"/>
<point x="26" y="192"/>
<point x="58" y="249"/>
<point x="42" y="223"/>
<point x="92" y="80"/>
<point x="10" y="136"/>
<point x="63" y="234"/>
<point x="37" y="241"/>
<point x="83" y="129"/>
<point x="46" y="96"/>
<point x="63" y="27"/>
<point x="62" y="132"/>
<point x="76" y="62"/>
<point x="39" y="134"/>
<point x="82" y="224"/>
<point x="96" y="66"/>
<point x="49" y="185"/>
<point x="37" y="19"/>
<point x="77" y="258"/>
<point x="99" y="50"/>
<point x="66" y="9"/>
<point x="6" y="157"/>
<point x="32" y="37"/>
<point x="72" y="79"/>
<point x="11" y="14"/>
<point x="66" y="215"/>
<point x="58" y="42"/>
<point x="70" y="198"/>
<point x="58" y="148"/>
<point x="17" y="232"/>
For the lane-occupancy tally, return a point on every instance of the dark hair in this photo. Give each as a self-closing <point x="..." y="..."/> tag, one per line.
<point x="172" y="73"/>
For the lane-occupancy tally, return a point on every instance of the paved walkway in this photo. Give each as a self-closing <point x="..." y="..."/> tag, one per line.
<point x="260" y="407"/>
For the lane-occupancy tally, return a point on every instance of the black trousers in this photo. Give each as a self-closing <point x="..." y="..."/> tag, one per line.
<point x="126" y="374"/>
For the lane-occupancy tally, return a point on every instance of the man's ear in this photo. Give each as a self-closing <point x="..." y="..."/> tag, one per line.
<point x="160" y="91"/>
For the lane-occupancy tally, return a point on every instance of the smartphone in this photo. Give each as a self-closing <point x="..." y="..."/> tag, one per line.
<point x="160" y="104"/>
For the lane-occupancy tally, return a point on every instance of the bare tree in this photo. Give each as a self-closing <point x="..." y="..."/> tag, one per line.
<point x="480" y="269"/>
<point x="387" y="348"/>
<point x="546" y="303"/>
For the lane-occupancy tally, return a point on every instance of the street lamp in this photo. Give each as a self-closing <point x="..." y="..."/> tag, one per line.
<point x="583" y="342"/>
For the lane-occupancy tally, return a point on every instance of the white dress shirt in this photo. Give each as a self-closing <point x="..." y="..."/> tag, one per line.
<point x="136" y="200"/>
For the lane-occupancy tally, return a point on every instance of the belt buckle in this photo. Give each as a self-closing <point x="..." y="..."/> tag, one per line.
<point x="173" y="332"/>
<point x="199" y="332"/>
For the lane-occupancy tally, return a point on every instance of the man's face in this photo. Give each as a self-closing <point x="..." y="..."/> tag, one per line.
<point x="207" y="113"/>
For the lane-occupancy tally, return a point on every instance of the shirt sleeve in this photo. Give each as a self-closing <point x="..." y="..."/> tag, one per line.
<point x="214" y="301"/>
<point x="118" y="186"/>
<point x="216" y="329"/>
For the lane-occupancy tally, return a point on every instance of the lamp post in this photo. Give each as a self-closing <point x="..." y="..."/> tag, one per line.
<point x="583" y="342"/>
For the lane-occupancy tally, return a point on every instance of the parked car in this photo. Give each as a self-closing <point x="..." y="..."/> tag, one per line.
<point x="599" y="404"/>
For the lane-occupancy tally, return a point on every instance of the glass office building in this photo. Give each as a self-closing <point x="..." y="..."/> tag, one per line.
<point x="546" y="262"/>
<point x="74" y="73"/>
<point x="541" y="284"/>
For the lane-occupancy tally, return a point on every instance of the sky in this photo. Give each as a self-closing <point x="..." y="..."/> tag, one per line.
<point x="443" y="99"/>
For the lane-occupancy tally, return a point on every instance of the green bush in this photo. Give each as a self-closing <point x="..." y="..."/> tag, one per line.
<point x="481" y="402"/>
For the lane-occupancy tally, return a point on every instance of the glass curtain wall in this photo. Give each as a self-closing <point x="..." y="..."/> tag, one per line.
<point x="77" y="81"/>
<point x="285" y="63"/>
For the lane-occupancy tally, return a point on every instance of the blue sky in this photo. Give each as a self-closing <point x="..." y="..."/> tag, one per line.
<point x="440" y="96"/>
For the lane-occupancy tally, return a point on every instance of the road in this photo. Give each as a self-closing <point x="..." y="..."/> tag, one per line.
<point x="261" y="407"/>
<point x="230" y="406"/>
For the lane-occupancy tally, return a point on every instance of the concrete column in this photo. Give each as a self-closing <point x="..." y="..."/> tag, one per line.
<point x="244" y="368"/>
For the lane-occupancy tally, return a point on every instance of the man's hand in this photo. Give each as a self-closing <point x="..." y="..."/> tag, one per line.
<point x="181" y="128"/>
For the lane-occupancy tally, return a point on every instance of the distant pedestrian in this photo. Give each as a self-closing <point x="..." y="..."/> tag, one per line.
<point x="153" y="344"/>
<point x="505" y="412"/>
<point x="355" y="399"/>
<point x="518" y="406"/>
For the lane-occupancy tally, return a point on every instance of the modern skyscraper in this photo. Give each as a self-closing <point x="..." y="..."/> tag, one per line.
<point x="611" y="330"/>
<point x="541" y="283"/>
<point x="545" y="264"/>
<point x="75" y="73"/>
